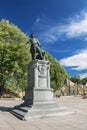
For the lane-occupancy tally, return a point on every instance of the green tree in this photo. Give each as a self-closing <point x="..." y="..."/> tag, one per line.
<point x="58" y="73"/>
<point x="14" y="56"/>
<point x="84" y="80"/>
<point x="76" y="79"/>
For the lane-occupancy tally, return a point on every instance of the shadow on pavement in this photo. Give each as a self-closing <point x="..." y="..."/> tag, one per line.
<point x="5" y="109"/>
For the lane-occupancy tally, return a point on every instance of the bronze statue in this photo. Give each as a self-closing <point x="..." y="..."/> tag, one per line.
<point x="35" y="49"/>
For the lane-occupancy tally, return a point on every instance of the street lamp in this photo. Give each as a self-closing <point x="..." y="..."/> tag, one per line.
<point x="68" y="84"/>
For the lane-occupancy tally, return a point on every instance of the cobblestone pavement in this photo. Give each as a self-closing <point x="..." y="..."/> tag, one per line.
<point x="76" y="121"/>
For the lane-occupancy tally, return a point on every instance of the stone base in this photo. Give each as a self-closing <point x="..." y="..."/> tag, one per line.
<point x="39" y="104"/>
<point x="40" y="110"/>
<point x="45" y="110"/>
<point x="35" y="96"/>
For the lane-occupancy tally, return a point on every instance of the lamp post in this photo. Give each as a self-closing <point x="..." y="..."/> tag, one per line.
<point x="77" y="88"/>
<point x="68" y="87"/>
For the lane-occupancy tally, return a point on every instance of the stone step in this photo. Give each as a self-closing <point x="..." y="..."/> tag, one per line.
<point x="46" y="113"/>
<point x="17" y="115"/>
<point x="24" y="109"/>
<point x="25" y="113"/>
<point x="19" y="112"/>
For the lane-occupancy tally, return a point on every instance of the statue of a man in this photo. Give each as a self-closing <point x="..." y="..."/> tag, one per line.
<point x="36" y="48"/>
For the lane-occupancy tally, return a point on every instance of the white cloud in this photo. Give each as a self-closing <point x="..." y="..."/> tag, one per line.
<point x="37" y="21"/>
<point x="83" y="75"/>
<point x="74" y="27"/>
<point x="77" y="61"/>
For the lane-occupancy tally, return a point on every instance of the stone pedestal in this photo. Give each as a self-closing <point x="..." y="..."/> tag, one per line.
<point x="39" y="90"/>
<point x="39" y="100"/>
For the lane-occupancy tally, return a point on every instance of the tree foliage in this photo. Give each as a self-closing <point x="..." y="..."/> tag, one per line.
<point x="76" y="79"/>
<point x="58" y="73"/>
<point x="84" y="81"/>
<point x="15" y="57"/>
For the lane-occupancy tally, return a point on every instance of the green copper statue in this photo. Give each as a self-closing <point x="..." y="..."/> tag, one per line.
<point x="35" y="49"/>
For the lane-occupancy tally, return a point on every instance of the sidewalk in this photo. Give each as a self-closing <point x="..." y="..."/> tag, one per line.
<point x="77" y="121"/>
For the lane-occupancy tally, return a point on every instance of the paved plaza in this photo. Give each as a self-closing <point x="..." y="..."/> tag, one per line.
<point x="75" y="121"/>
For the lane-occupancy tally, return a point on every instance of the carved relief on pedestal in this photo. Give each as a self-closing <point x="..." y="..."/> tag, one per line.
<point x="42" y="71"/>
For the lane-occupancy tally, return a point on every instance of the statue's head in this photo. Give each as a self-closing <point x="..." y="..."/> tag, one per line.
<point x="32" y="35"/>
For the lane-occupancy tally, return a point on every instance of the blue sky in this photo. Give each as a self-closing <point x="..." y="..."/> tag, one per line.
<point x="60" y="25"/>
